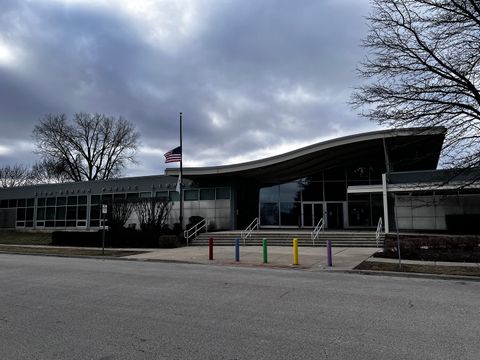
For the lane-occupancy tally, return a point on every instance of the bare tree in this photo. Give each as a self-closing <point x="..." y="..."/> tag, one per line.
<point x="47" y="172"/>
<point x="91" y="147"/>
<point x="424" y="70"/>
<point x="120" y="211"/>
<point x="14" y="175"/>
<point x="153" y="213"/>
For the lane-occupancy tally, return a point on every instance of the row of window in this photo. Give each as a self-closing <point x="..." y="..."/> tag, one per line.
<point x="71" y="211"/>
<point x="189" y="195"/>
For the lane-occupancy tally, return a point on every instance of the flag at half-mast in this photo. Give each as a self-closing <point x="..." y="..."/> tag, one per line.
<point x="174" y="155"/>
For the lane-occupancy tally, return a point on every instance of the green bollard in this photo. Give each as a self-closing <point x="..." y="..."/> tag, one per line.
<point x="265" y="255"/>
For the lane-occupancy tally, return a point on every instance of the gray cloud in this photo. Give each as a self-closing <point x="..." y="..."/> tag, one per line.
<point x="251" y="77"/>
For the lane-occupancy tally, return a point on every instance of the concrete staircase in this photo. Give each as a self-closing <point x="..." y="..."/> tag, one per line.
<point x="284" y="238"/>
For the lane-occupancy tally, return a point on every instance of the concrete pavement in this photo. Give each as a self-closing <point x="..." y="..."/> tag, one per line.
<point x="67" y="308"/>
<point x="278" y="256"/>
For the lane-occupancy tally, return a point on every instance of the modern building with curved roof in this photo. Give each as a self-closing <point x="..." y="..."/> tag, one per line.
<point x="347" y="181"/>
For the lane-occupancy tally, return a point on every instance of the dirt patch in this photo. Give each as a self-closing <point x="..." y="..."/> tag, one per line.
<point x="424" y="269"/>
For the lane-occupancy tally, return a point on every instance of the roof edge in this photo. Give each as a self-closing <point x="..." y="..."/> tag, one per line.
<point x="323" y="145"/>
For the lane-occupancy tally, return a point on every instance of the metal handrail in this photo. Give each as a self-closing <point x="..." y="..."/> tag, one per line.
<point x="379" y="230"/>
<point x="248" y="231"/>
<point x="194" y="230"/>
<point x="320" y="227"/>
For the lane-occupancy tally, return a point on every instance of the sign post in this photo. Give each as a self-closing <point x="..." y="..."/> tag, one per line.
<point x="104" y="212"/>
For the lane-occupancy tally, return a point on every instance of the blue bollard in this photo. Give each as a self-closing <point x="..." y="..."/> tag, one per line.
<point x="237" y="249"/>
<point x="329" y="253"/>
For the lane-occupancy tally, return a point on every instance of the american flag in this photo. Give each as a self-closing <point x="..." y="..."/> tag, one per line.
<point x="174" y="155"/>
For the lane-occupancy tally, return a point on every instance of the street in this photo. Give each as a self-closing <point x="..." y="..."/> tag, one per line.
<point x="70" y="308"/>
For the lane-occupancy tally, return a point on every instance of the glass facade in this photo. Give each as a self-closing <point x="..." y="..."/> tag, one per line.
<point x="82" y="211"/>
<point x="303" y="202"/>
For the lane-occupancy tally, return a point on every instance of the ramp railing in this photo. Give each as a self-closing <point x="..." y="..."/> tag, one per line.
<point x="320" y="227"/>
<point x="248" y="231"/>
<point x="194" y="230"/>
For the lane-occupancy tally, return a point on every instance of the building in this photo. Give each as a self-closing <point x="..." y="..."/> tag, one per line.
<point x="351" y="182"/>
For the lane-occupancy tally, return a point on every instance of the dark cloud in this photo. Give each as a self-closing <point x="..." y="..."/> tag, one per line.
<point x="251" y="77"/>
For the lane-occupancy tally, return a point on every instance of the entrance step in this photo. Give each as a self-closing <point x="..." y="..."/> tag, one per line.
<point x="284" y="238"/>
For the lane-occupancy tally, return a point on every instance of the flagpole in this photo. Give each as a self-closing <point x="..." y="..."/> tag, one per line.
<point x="181" y="176"/>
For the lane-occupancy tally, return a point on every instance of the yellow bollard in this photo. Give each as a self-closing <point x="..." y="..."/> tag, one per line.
<point x="295" y="251"/>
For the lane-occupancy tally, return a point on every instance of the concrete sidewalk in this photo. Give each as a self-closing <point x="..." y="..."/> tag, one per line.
<point x="278" y="256"/>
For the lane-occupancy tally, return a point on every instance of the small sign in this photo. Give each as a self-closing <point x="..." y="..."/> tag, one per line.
<point x="104" y="209"/>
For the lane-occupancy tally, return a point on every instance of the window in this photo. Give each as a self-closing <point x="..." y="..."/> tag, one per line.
<point x="190" y="195"/>
<point x="132" y="196"/>
<point x="82" y="200"/>
<point x="267" y="194"/>
<point x="60" y="213"/>
<point x="72" y="200"/>
<point x="290" y="213"/>
<point x="61" y="200"/>
<point x="174" y="196"/>
<point x="107" y="198"/>
<point x="312" y="191"/>
<point x="207" y="194"/>
<point x="162" y="195"/>
<point x="117" y="197"/>
<point x="21" y="203"/>
<point x="82" y="213"/>
<point x="41" y="213"/>
<point x="145" y="194"/>
<point x="95" y="199"/>
<point x="222" y="193"/>
<point x="51" y="201"/>
<point x="30" y="202"/>
<point x="335" y="191"/>
<point x="269" y="214"/>
<point x="20" y="214"/>
<point x="41" y="201"/>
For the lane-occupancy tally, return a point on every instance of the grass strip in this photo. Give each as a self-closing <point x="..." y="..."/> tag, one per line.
<point x="421" y="269"/>
<point x="66" y="251"/>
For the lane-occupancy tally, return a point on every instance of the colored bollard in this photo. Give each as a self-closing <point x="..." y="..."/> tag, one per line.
<point x="210" y="249"/>
<point x="237" y="249"/>
<point x="265" y="255"/>
<point x="329" y="253"/>
<point x="295" y="251"/>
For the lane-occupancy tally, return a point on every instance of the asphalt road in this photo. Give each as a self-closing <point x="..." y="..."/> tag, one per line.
<point x="60" y="308"/>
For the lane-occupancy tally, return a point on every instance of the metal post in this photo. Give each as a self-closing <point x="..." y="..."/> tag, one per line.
<point x="329" y="253"/>
<point x="104" y="213"/>
<point x="265" y="255"/>
<point x="295" y="251"/>
<point x="210" y="249"/>
<point x="237" y="249"/>
<point x="103" y="235"/>
<point x="181" y="175"/>
<point x="386" y="224"/>
<point x="398" y="234"/>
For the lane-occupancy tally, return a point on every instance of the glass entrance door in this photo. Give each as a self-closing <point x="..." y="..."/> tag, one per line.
<point x="311" y="214"/>
<point x="335" y="215"/>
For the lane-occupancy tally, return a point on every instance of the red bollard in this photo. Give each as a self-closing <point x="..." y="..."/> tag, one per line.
<point x="210" y="249"/>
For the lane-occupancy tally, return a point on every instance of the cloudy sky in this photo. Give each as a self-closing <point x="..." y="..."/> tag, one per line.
<point x="253" y="78"/>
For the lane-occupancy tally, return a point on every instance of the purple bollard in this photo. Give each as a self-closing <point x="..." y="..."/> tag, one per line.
<point x="329" y="253"/>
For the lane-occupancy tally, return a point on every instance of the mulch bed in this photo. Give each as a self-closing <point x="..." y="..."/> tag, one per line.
<point x="454" y="255"/>
<point x="423" y="269"/>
